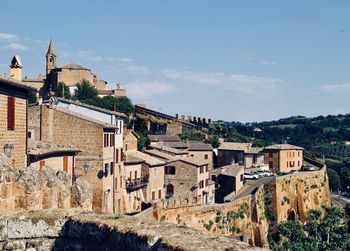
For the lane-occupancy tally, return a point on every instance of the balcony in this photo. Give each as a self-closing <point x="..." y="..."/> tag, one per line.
<point x="132" y="185"/>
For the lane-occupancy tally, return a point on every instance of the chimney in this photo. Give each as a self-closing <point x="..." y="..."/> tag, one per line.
<point x="177" y="116"/>
<point x="16" y="68"/>
<point x="189" y="118"/>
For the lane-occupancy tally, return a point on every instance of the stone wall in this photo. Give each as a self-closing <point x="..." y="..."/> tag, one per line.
<point x="66" y="230"/>
<point x="250" y="218"/>
<point x="33" y="189"/>
<point x="18" y="136"/>
<point x="295" y="194"/>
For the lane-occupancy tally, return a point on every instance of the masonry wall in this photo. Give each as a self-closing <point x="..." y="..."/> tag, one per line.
<point x="17" y="136"/>
<point x="71" y="77"/>
<point x="201" y="155"/>
<point x="156" y="183"/>
<point x="185" y="180"/>
<point x="61" y="128"/>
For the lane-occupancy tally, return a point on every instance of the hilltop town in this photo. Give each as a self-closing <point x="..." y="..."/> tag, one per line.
<point x="61" y="153"/>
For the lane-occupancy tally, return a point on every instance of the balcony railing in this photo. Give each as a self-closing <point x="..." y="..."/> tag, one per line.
<point x="132" y="185"/>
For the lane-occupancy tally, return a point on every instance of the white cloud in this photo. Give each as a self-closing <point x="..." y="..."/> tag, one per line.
<point x="267" y="62"/>
<point x="16" y="46"/>
<point x="234" y="82"/>
<point x="92" y="56"/>
<point x="8" y="37"/>
<point x="137" y="70"/>
<point x="125" y="60"/>
<point x="335" y="88"/>
<point x="147" y="89"/>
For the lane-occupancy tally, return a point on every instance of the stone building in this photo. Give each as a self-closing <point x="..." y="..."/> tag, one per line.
<point x="171" y="151"/>
<point x="144" y="177"/>
<point x="228" y="181"/>
<point x="240" y="153"/>
<point x="130" y="138"/>
<point x="284" y="158"/>
<point x="13" y="127"/>
<point x="202" y="151"/>
<point x="70" y="74"/>
<point x="188" y="178"/>
<point x="100" y="151"/>
<point x="58" y="157"/>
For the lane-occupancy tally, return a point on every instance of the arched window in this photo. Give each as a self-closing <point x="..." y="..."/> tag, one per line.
<point x="169" y="190"/>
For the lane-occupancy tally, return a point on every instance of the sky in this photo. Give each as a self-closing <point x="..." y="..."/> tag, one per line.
<point x="231" y="60"/>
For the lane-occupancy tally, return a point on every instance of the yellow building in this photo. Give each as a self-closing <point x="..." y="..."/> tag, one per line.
<point x="284" y="158"/>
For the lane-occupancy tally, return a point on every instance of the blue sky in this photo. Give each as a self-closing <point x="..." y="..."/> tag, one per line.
<point x="230" y="60"/>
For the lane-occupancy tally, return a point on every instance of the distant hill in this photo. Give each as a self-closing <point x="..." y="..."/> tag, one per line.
<point x="322" y="136"/>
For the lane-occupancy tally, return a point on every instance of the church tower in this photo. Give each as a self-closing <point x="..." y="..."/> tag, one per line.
<point x="50" y="59"/>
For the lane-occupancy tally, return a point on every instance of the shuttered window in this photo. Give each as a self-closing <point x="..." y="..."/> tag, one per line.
<point x="10" y="113"/>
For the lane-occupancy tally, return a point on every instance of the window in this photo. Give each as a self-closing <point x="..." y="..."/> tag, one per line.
<point x="293" y="154"/>
<point x="106" y="169"/>
<point x="10" y="113"/>
<point x="170" y="190"/>
<point x="298" y="162"/>
<point x="111" y="139"/>
<point x="112" y="168"/>
<point x="205" y="156"/>
<point x="153" y="195"/>
<point x="65" y="164"/>
<point x="287" y="163"/>
<point x="213" y="178"/>
<point x="42" y="163"/>
<point x="29" y="135"/>
<point x="170" y="170"/>
<point x="270" y="154"/>
<point x="206" y="182"/>
<point x="242" y="177"/>
<point x="159" y="194"/>
<point x="192" y="155"/>
<point x="126" y="147"/>
<point x="206" y="168"/>
<point x="201" y="184"/>
<point x="105" y="140"/>
<point x="116" y="155"/>
<point x="116" y="183"/>
<point x="201" y="169"/>
<point x="298" y="153"/>
<point x="135" y="174"/>
<point x="121" y="182"/>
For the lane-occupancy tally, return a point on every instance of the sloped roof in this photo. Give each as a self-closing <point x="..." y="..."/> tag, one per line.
<point x="169" y="149"/>
<point x="13" y="82"/>
<point x="194" y="161"/>
<point x="199" y="146"/>
<point x="255" y="150"/>
<point x="80" y="116"/>
<point x="160" y="154"/>
<point x="163" y="138"/>
<point x="92" y="107"/>
<point x="16" y="61"/>
<point x="176" y="144"/>
<point x="40" y="148"/>
<point x="74" y="66"/>
<point x="149" y="160"/>
<point x="283" y="147"/>
<point x="234" y="146"/>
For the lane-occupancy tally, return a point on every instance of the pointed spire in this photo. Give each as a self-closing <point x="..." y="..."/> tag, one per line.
<point x="50" y="50"/>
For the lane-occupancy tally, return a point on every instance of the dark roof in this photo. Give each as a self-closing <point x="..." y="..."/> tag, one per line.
<point x="163" y="138"/>
<point x="199" y="146"/>
<point x="12" y="82"/>
<point x="283" y="147"/>
<point x="40" y="148"/>
<point x="75" y="102"/>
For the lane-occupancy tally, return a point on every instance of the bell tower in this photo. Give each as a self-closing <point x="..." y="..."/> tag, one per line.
<point x="50" y="59"/>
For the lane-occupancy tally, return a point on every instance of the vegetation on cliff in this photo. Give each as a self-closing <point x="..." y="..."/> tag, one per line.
<point x="329" y="233"/>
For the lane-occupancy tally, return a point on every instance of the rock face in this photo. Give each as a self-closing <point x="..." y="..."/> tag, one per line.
<point x="250" y="218"/>
<point x="32" y="189"/>
<point x="66" y="230"/>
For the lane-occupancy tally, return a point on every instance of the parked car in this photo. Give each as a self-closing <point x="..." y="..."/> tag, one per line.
<point x="265" y="173"/>
<point x="251" y="176"/>
<point x="260" y="175"/>
<point x="310" y="168"/>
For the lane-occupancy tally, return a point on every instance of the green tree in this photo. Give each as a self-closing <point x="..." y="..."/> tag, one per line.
<point x="85" y="90"/>
<point x="330" y="233"/>
<point x="63" y="91"/>
<point x="345" y="178"/>
<point x="334" y="179"/>
<point x="32" y="97"/>
<point x="214" y="141"/>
